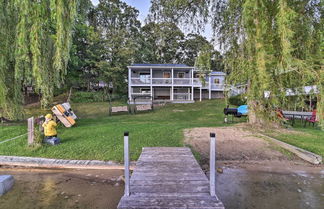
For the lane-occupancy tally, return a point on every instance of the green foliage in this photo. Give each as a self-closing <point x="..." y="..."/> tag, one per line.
<point x="82" y="96"/>
<point x="237" y="100"/>
<point x="105" y="42"/>
<point x="161" y="42"/>
<point x="35" y="42"/>
<point x="190" y="13"/>
<point x="270" y="45"/>
<point x="203" y="63"/>
<point x="39" y="136"/>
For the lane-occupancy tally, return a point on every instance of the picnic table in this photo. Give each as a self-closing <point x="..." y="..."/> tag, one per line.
<point x="293" y="115"/>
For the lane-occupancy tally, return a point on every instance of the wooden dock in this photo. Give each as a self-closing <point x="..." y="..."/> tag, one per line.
<point x="168" y="177"/>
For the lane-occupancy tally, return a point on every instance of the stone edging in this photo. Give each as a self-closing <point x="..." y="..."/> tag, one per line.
<point x="303" y="154"/>
<point x="36" y="162"/>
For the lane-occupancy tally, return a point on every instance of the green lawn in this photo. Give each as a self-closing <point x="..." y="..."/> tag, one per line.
<point x="101" y="136"/>
<point x="309" y="138"/>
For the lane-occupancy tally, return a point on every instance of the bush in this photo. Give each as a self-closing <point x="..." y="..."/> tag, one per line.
<point x="237" y="100"/>
<point x="96" y="96"/>
<point x="83" y="96"/>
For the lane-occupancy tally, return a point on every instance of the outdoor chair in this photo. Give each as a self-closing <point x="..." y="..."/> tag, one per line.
<point x="312" y="119"/>
<point x="281" y="116"/>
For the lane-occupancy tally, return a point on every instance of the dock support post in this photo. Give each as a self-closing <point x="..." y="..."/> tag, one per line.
<point x="126" y="163"/>
<point x="31" y="134"/>
<point x="212" y="164"/>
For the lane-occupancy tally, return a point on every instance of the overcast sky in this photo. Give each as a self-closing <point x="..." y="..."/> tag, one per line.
<point x="144" y="5"/>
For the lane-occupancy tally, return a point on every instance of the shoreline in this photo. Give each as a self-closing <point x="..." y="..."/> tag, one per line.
<point x="278" y="166"/>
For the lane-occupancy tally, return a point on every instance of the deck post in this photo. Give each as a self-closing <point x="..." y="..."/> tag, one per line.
<point x="200" y="94"/>
<point x="212" y="162"/>
<point x="192" y="93"/>
<point x="129" y="84"/>
<point x="209" y="87"/>
<point x="151" y="83"/>
<point x="192" y="84"/>
<point x="172" y="82"/>
<point x="126" y="163"/>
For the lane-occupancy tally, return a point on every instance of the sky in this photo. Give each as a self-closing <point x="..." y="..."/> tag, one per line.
<point x="143" y="7"/>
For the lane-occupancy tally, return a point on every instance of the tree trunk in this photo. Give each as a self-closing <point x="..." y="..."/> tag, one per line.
<point x="252" y="114"/>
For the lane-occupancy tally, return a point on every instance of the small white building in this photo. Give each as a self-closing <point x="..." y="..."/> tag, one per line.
<point x="174" y="83"/>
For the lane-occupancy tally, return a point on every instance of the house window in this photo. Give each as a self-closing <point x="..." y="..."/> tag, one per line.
<point x="181" y="75"/>
<point x="166" y="75"/>
<point x="216" y="81"/>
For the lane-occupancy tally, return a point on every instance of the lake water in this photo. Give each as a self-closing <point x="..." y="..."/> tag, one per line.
<point x="237" y="188"/>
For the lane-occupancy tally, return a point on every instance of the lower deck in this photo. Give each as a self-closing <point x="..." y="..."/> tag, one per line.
<point x="172" y="94"/>
<point x="168" y="177"/>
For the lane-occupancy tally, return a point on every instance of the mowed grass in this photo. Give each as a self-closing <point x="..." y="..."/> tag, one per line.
<point x="309" y="138"/>
<point x="98" y="136"/>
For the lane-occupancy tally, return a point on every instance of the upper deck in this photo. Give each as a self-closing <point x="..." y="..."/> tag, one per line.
<point x="172" y="75"/>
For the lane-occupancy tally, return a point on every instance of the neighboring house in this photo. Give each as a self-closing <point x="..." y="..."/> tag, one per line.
<point x="175" y="83"/>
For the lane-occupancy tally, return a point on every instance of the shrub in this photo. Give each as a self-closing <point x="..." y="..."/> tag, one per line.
<point x="83" y="96"/>
<point x="237" y="100"/>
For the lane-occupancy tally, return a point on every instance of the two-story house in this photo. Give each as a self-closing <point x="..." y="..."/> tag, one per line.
<point x="176" y="83"/>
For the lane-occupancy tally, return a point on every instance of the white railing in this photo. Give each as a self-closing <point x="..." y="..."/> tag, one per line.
<point x="162" y="81"/>
<point x="218" y="86"/>
<point x="182" y="81"/>
<point x="176" y="81"/>
<point x="181" y="96"/>
<point x="140" y="81"/>
<point x="141" y="94"/>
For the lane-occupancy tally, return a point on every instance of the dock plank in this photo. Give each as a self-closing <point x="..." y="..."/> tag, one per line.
<point x="168" y="177"/>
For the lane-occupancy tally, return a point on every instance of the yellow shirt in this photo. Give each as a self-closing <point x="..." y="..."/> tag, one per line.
<point x="50" y="128"/>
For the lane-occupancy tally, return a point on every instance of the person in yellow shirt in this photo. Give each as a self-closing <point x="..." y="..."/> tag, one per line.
<point x="49" y="126"/>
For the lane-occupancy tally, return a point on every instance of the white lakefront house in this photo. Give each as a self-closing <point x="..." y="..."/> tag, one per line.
<point x="175" y="83"/>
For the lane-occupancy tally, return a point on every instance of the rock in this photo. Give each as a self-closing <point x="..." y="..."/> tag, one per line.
<point x="79" y="195"/>
<point x="6" y="183"/>
<point x="116" y="185"/>
<point x="219" y="170"/>
<point x="62" y="193"/>
<point x="121" y="178"/>
<point x="299" y="190"/>
<point x="66" y="197"/>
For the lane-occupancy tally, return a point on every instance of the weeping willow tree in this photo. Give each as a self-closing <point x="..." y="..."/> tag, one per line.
<point x="274" y="47"/>
<point x="203" y="63"/>
<point x="35" y="41"/>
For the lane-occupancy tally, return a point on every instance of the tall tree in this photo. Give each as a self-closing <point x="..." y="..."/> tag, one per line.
<point x="162" y="42"/>
<point x="272" y="46"/>
<point x="35" y="44"/>
<point x="120" y="29"/>
<point x="192" y="45"/>
<point x="87" y="48"/>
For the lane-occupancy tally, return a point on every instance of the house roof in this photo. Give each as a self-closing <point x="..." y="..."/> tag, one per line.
<point x="160" y="66"/>
<point x="218" y="73"/>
